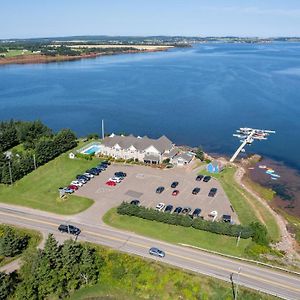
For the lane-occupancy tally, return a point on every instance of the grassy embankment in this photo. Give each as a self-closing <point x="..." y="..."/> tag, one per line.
<point x="34" y="241"/>
<point x="246" y="206"/>
<point x="13" y="53"/>
<point x="39" y="189"/>
<point x="125" y="277"/>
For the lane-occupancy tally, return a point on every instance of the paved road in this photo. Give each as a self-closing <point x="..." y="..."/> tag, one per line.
<point x="271" y="281"/>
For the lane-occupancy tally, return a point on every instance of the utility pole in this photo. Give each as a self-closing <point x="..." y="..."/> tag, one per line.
<point x="34" y="161"/>
<point x="10" y="172"/>
<point x="102" y="129"/>
<point x="237" y="284"/>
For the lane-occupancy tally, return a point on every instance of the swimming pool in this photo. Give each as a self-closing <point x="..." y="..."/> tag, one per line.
<point x="92" y="149"/>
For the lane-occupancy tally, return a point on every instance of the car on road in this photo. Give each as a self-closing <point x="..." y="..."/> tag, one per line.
<point x="196" y="213"/>
<point x="135" y="202"/>
<point x="160" y="189"/>
<point x="76" y="182"/>
<point x="174" y="184"/>
<point x="73" y="187"/>
<point x="69" y="229"/>
<point x="169" y="208"/>
<point x="175" y="193"/>
<point x="120" y="174"/>
<point x="199" y="177"/>
<point x="177" y="210"/>
<point x="196" y="190"/>
<point x="206" y="178"/>
<point x="186" y="210"/>
<point x="156" y="252"/>
<point x="212" y="192"/>
<point x="160" y="206"/>
<point x="110" y="183"/>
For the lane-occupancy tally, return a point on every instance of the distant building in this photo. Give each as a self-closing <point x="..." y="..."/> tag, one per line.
<point x="144" y="149"/>
<point x="182" y="158"/>
<point x="214" y="167"/>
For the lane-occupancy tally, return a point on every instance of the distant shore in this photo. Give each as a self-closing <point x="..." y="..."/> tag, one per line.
<point x="39" y="58"/>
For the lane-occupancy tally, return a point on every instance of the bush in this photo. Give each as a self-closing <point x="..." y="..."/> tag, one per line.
<point x="84" y="156"/>
<point x="186" y="221"/>
<point x="260" y="233"/>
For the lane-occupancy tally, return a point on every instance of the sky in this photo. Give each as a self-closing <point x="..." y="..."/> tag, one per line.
<point x="52" y="18"/>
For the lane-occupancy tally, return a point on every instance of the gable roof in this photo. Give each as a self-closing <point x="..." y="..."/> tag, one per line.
<point x="162" y="144"/>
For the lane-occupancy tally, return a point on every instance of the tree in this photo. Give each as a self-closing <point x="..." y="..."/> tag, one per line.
<point x="200" y="154"/>
<point x="260" y="233"/>
<point x="11" y="243"/>
<point x="7" y="285"/>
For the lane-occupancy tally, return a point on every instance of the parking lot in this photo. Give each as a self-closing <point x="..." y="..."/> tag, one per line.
<point x="141" y="183"/>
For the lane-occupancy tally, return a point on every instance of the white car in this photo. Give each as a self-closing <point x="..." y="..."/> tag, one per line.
<point x="77" y="183"/>
<point x="160" y="206"/>
<point x="88" y="175"/>
<point x="115" y="179"/>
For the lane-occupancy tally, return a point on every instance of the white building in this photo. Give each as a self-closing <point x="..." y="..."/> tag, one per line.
<point x="144" y="149"/>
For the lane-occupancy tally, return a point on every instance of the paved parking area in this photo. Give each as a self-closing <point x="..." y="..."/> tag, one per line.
<point x="141" y="183"/>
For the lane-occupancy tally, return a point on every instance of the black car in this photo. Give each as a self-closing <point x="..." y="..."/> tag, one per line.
<point x="174" y="184"/>
<point x="83" y="177"/>
<point x="177" y="210"/>
<point x="93" y="172"/>
<point x="226" y="218"/>
<point x="69" y="229"/>
<point x="199" y="177"/>
<point x="160" y="189"/>
<point x="169" y="208"/>
<point x="195" y="191"/>
<point x="207" y="178"/>
<point x="106" y="162"/>
<point x="135" y="202"/>
<point x="196" y="213"/>
<point x="212" y="192"/>
<point x="102" y="166"/>
<point x="186" y="210"/>
<point x="120" y="174"/>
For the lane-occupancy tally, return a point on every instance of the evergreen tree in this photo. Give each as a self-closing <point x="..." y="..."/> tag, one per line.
<point x="7" y="285"/>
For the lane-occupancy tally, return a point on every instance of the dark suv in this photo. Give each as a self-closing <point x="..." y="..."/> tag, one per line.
<point x="207" y="178"/>
<point x="212" y="192"/>
<point x="174" y="184"/>
<point x="120" y="174"/>
<point x="69" y="229"/>
<point x="160" y="189"/>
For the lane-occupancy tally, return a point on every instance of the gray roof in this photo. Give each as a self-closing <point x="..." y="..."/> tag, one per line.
<point x="151" y="157"/>
<point x="162" y="144"/>
<point x="172" y="153"/>
<point x="185" y="156"/>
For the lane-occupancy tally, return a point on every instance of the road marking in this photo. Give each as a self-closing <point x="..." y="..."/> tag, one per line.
<point x="168" y="253"/>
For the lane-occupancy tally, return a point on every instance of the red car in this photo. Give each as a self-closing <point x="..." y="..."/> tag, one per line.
<point x="73" y="187"/>
<point x="111" y="183"/>
<point x="175" y="193"/>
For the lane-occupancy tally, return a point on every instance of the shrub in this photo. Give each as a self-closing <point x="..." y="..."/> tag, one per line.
<point x="186" y="221"/>
<point x="260" y="233"/>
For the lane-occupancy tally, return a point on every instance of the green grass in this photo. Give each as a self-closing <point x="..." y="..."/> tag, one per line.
<point x="127" y="277"/>
<point x="12" y="53"/>
<point x="177" y="234"/>
<point x="39" y="189"/>
<point x="241" y="199"/>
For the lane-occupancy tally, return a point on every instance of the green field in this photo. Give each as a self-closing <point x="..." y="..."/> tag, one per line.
<point x="177" y="234"/>
<point x="127" y="277"/>
<point x="247" y="207"/>
<point x="12" y="53"/>
<point x="39" y="189"/>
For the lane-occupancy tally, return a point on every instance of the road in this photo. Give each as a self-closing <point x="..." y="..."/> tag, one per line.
<point x="281" y="284"/>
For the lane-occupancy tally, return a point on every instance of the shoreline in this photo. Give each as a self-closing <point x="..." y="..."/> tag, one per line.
<point x="40" y="59"/>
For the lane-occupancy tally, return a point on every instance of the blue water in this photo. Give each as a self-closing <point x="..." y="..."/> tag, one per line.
<point x="196" y="96"/>
<point x="93" y="149"/>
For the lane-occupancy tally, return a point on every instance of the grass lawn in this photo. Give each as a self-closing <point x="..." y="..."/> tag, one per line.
<point x="127" y="277"/>
<point x="39" y="189"/>
<point x="12" y="53"/>
<point x="177" y="234"/>
<point x="247" y="207"/>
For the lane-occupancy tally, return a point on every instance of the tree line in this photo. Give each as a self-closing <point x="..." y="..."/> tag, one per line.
<point x="255" y="230"/>
<point x="39" y="145"/>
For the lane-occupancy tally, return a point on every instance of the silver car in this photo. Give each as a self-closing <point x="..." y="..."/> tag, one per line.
<point x="156" y="252"/>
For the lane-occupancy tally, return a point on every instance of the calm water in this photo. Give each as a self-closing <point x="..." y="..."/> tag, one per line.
<point x="196" y="96"/>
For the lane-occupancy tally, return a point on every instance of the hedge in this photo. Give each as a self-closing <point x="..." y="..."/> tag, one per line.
<point x="186" y="221"/>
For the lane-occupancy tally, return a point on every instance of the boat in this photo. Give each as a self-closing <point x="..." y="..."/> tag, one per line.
<point x="274" y="178"/>
<point x="275" y="175"/>
<point x="262" y="166"/>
